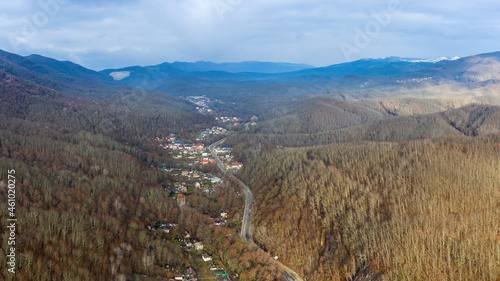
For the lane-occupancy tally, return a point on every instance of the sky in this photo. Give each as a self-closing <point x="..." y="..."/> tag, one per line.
<point x="117" y="33"/>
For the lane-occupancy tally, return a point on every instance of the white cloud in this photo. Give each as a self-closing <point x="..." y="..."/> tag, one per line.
<point x="119" y="33"/>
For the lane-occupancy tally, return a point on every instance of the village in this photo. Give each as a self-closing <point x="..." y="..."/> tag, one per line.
<point x="193" y="170"/>
<point x="207" y="267"/>
<point x="191" y="173"/>
<point x="203" y="106"/>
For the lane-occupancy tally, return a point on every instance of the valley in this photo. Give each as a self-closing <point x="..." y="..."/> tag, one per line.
<point x="378" y="169"/>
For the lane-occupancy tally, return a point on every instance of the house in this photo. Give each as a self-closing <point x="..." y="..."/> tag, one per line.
<point x="198" y="246"/>
<point x="166" y="228"/>
<point x="198" y="146"/>
<point x="206" y="257"/>
<point x="223" y="215"/>
<point x="211" y="160"/>
<point x="183" y="189"/>
<point x="186" y="235"/>
<point x="181" y="199"/>
<point x="236" y="165"/>
<point x="197" y="185"/>
<point x="179" y="277"/>
<point x="191" y="274"/>
<point x="217" y="222"/>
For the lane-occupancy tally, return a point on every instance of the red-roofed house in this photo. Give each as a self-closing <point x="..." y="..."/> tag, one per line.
<point x="236" y="165"/>
<point x="181" y="199"/>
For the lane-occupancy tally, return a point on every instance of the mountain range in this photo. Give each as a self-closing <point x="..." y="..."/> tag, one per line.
<point x="473" y="79"/>
<point x="392" y="158"/>
<point x="172" y="78"/>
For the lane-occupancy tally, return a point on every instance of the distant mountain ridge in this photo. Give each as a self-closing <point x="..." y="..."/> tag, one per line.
<point x="65" y="94"/>
<point x="63" y="76"/>
<point x="250" y="70"/>
<point x="474" y="77"/>
<point x="245" y="66"/>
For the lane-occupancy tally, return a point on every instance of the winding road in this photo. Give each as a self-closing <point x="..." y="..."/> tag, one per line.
<point x="289" y="274"/>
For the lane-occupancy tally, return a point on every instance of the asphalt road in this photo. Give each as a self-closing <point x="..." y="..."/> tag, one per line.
<point x="289" y="274"/>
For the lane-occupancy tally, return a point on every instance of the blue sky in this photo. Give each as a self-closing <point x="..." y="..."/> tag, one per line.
<point x="121" y="33"/>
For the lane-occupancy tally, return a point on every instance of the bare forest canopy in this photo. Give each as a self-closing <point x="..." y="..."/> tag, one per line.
<point x="379" y="169"/>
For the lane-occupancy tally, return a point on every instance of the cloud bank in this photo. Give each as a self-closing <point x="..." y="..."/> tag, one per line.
<point x="139" y="32"/>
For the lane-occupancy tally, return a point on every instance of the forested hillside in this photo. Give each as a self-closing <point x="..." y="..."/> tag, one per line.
<point x="133" y="115"/>
<point x="336" y="121"/>
<point x="89" y="196"/>
<point x="84" y="202"/>
<point x="314" y="115"/>
<point x="419" y="210"/>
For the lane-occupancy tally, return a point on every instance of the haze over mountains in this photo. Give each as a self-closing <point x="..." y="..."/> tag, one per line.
<point x="391" y="75"/>
<point x="303" y="99"/>
<point x="474" y="78"/>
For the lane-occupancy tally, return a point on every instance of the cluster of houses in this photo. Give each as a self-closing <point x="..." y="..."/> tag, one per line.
<point x="224" y="119"/>
<point x="170" y="138"/>
<point x="201" y="103"/>
<point x="235" y="121"/>
<point x="226" y="157"/>
<point x="215" y="130"/>
<point x="203" y="106"/>
<point x="165" y="227"/>
<point x="193" y="177"/>
<point x="189" y="275"/>
<point x="190" y="244"/>
<point x="235" y="165"/>
<point x="205" y="183"/>
<point x="222" y="221"/>
<point x="186" y="150"/>
<point x="194" y="152"/>
<point x="187" y="177"/>
<point x="218" y="271"/>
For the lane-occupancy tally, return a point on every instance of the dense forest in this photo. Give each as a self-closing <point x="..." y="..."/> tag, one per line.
<point x="84" y="202"/>
<point x="418" y="210"/>
<point x="88" y="196"/>
<point x="385" y="189"/>
<point x="330" y="126"/>
<point x="133" y="116"/>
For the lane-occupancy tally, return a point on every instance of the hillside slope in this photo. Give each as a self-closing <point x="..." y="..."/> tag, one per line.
<point x="470" y="120"/>
<point x="419" y="210"/>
